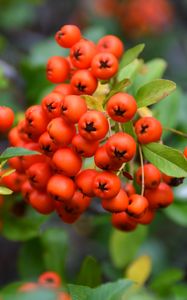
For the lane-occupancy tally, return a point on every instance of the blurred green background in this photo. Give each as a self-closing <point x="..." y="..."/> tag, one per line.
<point x="27" y="31"/>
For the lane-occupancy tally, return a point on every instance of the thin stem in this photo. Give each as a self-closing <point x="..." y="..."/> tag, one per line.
<point x="120" y="169"/>
<point x="176" y="131"/>
<point x="120" y="127"/>
<point x="142" y="167"/>
<point x="109" y="130"/>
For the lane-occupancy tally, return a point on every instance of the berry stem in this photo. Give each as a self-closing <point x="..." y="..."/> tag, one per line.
<point x="121" y="169"/>
<point x="176" y="131"/>
<point x="142" y="167"/>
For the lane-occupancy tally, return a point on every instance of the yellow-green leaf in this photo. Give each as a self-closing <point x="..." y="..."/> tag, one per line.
<point x="5" y="191"/>
<point x="140" y="270"/>
<point x="94" y="102"/>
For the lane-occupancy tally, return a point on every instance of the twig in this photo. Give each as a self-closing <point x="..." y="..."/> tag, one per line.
<point x="176" y="131"/>
<point x="142" y="167"/>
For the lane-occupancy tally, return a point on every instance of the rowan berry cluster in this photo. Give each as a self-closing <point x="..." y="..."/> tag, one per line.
<point x="47" y="280"/>
<point x="67" y="132"/>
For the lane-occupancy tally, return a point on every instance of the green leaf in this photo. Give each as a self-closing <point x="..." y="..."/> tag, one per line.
<point x="22" y="228"/>
<point x="128" y="128"/>
<point x="154" y="91"/>
<point x="130" y="71"/>
<point x="40" y="294"/>
<point x="124" y="246"/>
<point x="16" y="151"/>
<point x="110" y="290"/>
<point x="79" y="292"/>
<point x="55" y="245"/>
<point x="90" y="273"/>
<point x="5" y="191"/>
<point x="168" y="160"/>
<point x="166" y="279"/>
<point x="167" y="111"/>
<point x="119" y="87"/>
<point x="94" y="102"/>
<point x="131" y="54"/>
<point x="8" y="173"/>
<point x="30" y="260"/>
<point x="177" y="212"/>
<point x="152" y="70"/>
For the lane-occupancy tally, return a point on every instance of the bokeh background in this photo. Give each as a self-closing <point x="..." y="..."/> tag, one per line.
<point x="27" y="29"/>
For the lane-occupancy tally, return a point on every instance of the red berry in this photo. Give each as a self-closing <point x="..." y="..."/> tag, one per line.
<point x="67" y="162"/>
<point x="106" y="185"/>
<point x="112" y="44"/>
<point x="152" y="176"/>
<point x="148" y="130"/>
<point x="121" y="107"/>
<point x="93" y="125"/>
<point x="57" y="69"/>
<point x="83" y="82"/>
<point x="68" y="35"/>
<point x="121" y="146"/>
<point x="160" y="197"/>
<point x="104" y="65"/>
<point x="6" y="118"/>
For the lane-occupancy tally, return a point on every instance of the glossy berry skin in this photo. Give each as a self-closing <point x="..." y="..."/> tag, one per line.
<point x="15" y="163"/>
<point x="82" y="53"/>
<point x="14" y="181"/>
<point x="36" y="121"/>
<point x="72" y="108"/>
<point x="129" y="189"/>
<point x="93" y="125"/>
<point x="50" y="280"/>
<point x="121" y="107"/>
<point x="123" y="222"/>
<point x="84" y="181"/>
<point x="137" y="206"/>
<point x="147" y="217"/>
<point x="6" y="118"/>
<point x="29" y="160"/>
<point x="41" y="202"/>
<point x="160" y="197"/>
<point x="67" y="162"/>
<point x="68" y="35"/>
<point x="38" y="175"/>
<point x="104" y="162"/>
<point x="63" y="89"/>
<point x="22" y="127"/>
<point x="106" y="185"/>
<point x="185" y="152"/>
<point x="76" y="206"/>
<point x="121" y="146"/>
<point x="104" y="65"/>
<point x="14" y="138"/>
<point x="83" y="82"/>
<point x="148" y="130"/>
<point x="26" y="190"/>
<point x="60" y="131"/>
<point x="60" y="188"/>
<point x="51" y="104"/>
<point x="152" y="176"/>
<point x="84" y="147"/>
<point x="57" y="69"/>
<point x="47" y="146"/>
<point x="65" y="213"/>
<point x="119" y="203"/>
<point x="112" y="44"/>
